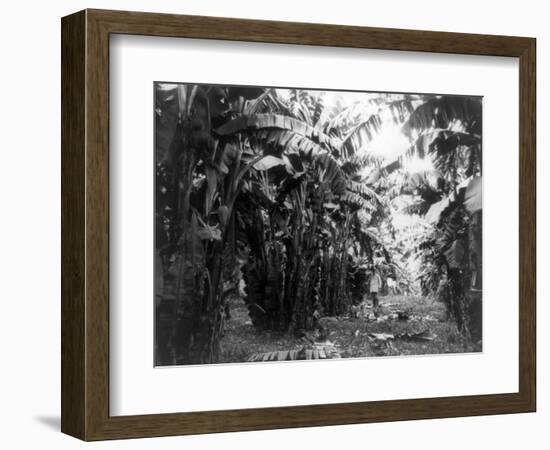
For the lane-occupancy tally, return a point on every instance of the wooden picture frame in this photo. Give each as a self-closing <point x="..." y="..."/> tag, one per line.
<point x="85" y="224"/>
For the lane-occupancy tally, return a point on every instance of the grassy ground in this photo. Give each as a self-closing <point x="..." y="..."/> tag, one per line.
<point x="356" y="337"/>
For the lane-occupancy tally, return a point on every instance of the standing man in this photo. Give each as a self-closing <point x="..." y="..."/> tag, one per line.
<point x="375" y="285"/>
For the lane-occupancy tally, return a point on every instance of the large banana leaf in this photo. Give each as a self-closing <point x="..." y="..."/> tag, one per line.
<point x="257" y="122"/>
<point x="384" y="171"/>
<point x="363" y="190"/>
<point x="268" y="162"/>
<point x="443" y="112"/>
<point x="433" y="214"/>
<point x="361" y="135"/>
<point x="473" y="199"/>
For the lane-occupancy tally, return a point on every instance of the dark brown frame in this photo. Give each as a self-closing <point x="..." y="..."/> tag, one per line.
<point x="85" y="224"/>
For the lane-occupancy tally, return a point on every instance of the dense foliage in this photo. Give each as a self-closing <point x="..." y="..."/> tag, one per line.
<point x="279" y="197"/>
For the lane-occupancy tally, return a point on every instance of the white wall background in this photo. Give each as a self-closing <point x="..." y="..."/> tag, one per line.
<point x="30" y="225"/>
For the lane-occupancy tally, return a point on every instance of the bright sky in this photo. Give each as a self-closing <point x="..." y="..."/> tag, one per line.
<point x="389" y="143"/>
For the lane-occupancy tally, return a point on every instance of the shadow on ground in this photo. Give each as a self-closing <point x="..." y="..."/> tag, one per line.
<point x="52" y="422"/>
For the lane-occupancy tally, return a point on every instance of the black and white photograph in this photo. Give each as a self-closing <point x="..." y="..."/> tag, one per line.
<point x="309" y="224"/>
<point x="253" y="226"/>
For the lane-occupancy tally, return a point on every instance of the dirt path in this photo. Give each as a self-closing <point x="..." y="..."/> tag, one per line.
<point x="401" y="326"/>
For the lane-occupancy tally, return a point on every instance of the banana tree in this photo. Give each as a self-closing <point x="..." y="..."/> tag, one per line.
<point x="447" y="131"/>
<point x="299" y="209"/>
<point x="199" y="177"/>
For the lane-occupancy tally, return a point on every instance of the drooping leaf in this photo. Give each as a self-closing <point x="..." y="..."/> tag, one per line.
<point x="268" y="162"/>
<point x="473" y="200"/>
<point x="361" y="135"/>
<point x="442" y="112"/>
<point x="265" y="122"/>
